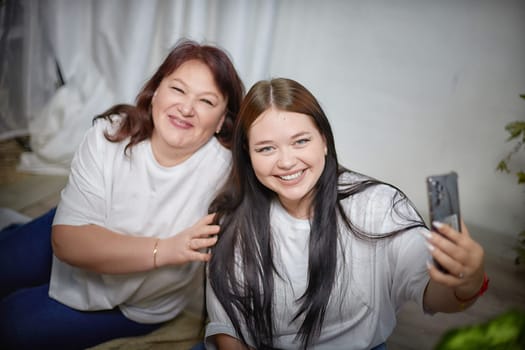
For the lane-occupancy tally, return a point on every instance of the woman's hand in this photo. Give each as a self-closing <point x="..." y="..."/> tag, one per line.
<point x="463" y="258"/>
<point x="186" y="246"/>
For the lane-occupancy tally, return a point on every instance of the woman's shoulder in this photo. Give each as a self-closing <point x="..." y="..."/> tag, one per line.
<point x="374" y="205"/>
<point x="95" y="140"/>
<point x="215" y="149"/>
<point x="365" y="187"/>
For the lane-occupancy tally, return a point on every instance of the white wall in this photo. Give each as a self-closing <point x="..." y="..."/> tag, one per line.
<point x="414" y="88"/>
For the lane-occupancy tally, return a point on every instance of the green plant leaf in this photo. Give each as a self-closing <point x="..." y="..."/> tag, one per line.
<point x="515" y="129"/>
<point x="502" y="166"/>
<point x="521" y="177"/>
<point x="502" y="332"/>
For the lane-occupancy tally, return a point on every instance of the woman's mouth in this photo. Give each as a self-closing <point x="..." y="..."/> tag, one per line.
<point x="291" y="177"/>
<point x="179" y="122"/>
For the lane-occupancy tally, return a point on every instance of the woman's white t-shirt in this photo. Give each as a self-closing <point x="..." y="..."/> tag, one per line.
<point x="373" y="280"/>
<point x="134" y="195"/>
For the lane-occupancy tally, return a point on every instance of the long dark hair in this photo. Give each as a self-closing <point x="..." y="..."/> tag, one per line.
<point x="138" y="122"/>
<point x="243" y="210"/>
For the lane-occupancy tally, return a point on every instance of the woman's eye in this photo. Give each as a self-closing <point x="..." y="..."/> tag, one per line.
<point x="178" y="89"/>
<point x="302" y="141"/>
<point x="207" y="102"/>
<point x="264" y="149"/>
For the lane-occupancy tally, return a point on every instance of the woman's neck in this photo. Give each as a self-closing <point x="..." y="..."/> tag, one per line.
<point x="301" y="209"/>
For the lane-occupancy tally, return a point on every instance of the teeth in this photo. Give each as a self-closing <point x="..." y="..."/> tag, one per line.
<point x="291" y="176"/>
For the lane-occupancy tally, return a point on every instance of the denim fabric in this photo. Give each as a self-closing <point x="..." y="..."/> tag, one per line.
<point x="199" y="346"/>
<point x="25" y="254"/>
<point x="29" y="318"/>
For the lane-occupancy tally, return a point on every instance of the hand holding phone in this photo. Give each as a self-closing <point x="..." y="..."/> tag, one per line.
<point x="443" y="199"/>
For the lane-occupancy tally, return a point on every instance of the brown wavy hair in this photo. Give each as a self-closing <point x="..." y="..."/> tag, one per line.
<point x="138" y="121"/>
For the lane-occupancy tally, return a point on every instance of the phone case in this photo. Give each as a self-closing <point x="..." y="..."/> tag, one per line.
<point x="443" y="198"/>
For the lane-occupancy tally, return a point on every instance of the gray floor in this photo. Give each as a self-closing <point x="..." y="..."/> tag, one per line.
<point x="33" y="195"/>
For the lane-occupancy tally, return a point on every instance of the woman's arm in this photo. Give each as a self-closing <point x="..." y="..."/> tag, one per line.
<point x="463" y="257"/>
<point x="227" y="342"/>
<point x="98" y="249"/>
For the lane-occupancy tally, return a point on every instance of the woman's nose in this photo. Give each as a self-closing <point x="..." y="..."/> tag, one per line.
<point x="186" y="107"/>
<point x="286" y="159"/>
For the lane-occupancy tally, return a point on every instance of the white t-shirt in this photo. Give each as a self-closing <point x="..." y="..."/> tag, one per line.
<point x="136" y="196"/>
<point x="378" y="279"/>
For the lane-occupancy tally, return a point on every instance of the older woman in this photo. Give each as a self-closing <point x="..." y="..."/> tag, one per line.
<point x="128" y="231"/>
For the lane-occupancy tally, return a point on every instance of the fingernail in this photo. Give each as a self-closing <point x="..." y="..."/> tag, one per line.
<point x="437" y="224"/>
<point x="430" y="246"/>
<point x="429" y="264"/>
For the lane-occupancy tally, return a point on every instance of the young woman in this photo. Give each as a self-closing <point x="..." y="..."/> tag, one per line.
<point x="128" y="232"/>
<point x="313" y="255"/>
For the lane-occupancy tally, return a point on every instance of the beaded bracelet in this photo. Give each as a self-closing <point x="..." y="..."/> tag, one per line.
<point x="479" y="293"/>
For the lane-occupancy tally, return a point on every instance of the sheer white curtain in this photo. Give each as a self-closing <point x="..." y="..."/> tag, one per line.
<point x="107" y="49"/>
<point x="11" y="48"/>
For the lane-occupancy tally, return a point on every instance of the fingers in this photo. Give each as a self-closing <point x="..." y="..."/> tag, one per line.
<point x="456" y="270"/>
<point x="189" y="245"/>
<point x="196" y="244"/>
<point x="447" y="231"/>
<point x="204" y="227"/>
<point x="201" y="243"/>
<point x="202" y="238"/>
<point x="205" y="231"/>
<point x="440" y="277"/>
<point x="198" y="256"/>
<point x="186" y="249"/>
<point x="449" y="252"/>
<point x="208" y="219"/>
<point x="456" y="252"/>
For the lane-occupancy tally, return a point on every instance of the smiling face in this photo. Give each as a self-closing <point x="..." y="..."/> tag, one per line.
<point x="287" y="152"/>
<point x="187" y="110"/>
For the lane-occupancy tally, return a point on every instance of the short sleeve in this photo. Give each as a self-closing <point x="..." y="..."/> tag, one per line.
<point x="382" y="209"/>
<point x="219" y="321"/>
<point x="408" y="255"/>
<point x="83" y="199"/>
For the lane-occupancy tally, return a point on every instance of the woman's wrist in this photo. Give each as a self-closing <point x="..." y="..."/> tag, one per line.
<point x="471" y="297"/>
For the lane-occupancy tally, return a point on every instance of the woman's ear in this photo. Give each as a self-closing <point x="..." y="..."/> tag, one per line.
<point x="221" y="121"/>
<point x="153" y="98"/>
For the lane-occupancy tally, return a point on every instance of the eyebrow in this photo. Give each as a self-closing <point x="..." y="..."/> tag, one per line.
<point x="299" y="134"/>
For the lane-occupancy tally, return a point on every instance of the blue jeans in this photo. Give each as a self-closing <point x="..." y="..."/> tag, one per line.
<point x="199" y="346"/>
<point x="29" y="318"/>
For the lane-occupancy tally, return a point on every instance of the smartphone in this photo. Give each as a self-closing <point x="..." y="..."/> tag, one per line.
<point x="443" y="200"/>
